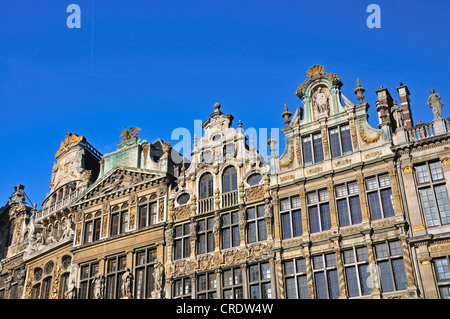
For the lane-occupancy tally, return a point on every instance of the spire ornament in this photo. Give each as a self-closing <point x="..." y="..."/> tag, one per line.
<point x="286" y="115"/>
<point x="272" y="143"/>
<point x="359" y="91"/>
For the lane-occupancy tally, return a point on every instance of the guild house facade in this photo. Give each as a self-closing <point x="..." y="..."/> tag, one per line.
<point x="346" y="211"/>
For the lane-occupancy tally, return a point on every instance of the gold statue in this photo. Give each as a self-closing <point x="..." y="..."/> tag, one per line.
<point x="129" y="134"/>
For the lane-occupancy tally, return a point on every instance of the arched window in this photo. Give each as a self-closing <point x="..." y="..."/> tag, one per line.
<point x="229" y="179"/>
<point x="206" y="186"/>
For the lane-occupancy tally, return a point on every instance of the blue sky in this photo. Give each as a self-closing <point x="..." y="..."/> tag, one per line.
<point x="159" y="65"/>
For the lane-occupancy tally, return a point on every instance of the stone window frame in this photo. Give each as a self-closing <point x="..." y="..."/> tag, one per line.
<point x="351" y="193"/>
<point x="443" y="284"/>
<point x="235" y="287"/>
<point x="205" y="236"/>
<point x="432" y="184"/>
<point x="288" y="211"/>
<point x="339" y="129"/>
<point x="323" y="216"/>
<point x="184" y="239"/>
<point x="209" y="290"/>
<point x="90" y="236"/>
<point x="123" y="219"/>
<point x="262" y="282"/>
<point x="379" y="190"/>
<point x="312" y="140"/>
<point x="234" y="238"/>
<point x="186" y="287"/>
<point x="327" y="267"/>
<point x="389" y="257"/>
<point x="86" y="290"/>
<point x="362" y="270"/>
<point x="298" y="276"/>
<point x="146" y="268"/>
<point x="257" y="220"/>
<point x="151" y="213"/>
<point x="115" y="268"/>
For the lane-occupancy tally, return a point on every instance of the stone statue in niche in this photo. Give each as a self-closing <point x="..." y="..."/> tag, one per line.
<point x="320" y="101"/>
<point x="126" y="283"/>
<point x="434" y="101"/>
<point x="99" y="286"/>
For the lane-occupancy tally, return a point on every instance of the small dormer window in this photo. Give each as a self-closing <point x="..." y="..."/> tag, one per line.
<point x="254" y="179"/>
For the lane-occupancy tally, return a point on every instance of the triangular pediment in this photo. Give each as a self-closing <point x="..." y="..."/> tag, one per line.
<point x="117" y="180"/>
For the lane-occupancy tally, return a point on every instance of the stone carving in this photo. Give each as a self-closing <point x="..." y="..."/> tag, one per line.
<point x="71" y="292"/>
<point x="397" y="113"/>
<point x="320" y="101"/>
<point x="255" y="192"/>
<point x="68" y="229"/>
<point x="127" y="278"/>
<point x="158" y="272"/>
<point x="434" y="101"/>
<point x="99" y="286"/>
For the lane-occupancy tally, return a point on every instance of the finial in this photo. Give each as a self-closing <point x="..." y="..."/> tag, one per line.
<point x="240" y="124"/>
<point x="286" y="115"/>
<point x="272" y="143"/>
<point x="359" y="91"/>
<point x="217" y="107"/>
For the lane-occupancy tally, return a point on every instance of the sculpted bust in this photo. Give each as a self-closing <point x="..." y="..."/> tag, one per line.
<point x="434" y="101"/>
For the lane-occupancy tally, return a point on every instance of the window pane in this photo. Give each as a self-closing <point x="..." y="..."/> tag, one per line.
<point x="325" y="216"/>
<point x="429" y="206"/>
<point x="388" y="203"/>
<point x="297" y="222"/>
<point x="302" y="287"/>
<point x="344" y="219"/>
<point x="365" y="279"/>
<point x="371" y="183"/>
<point x="333" y="283"/>
<point x="442" y="269"/>
<point x="352" y="281"/>
<point x="341" y="191"/>
<point x="355" y="210"/>
<point x="399" y="273"/>
<point x="321" y="286"/>
<point x="443" y="203"/>
<point x="301" y="265"/>
<point x="314" y="219"/>
<point x="290" y="288"/>
<point x="346" y="139"/>
<point x="335" y="144"/>
<point x="386" y="276"/>
<point x="289" y="267"/>
<point x="318" y="149"/>
<point x="374" y="205"/>
<point x="286" y="225"/>
<point x="422" y="174"/>
<point x="436" y="171"/>
<point x="307" y="151"/>
<point x="284" y="204"/>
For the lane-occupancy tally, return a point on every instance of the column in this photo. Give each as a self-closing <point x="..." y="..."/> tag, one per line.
<point x="396" y="194"/>
<point x="281" y="293"/>
<point x="245" y="280"/>
<point x="309" y="272"/>
<point x="412" y="288"/>
<point x="374" y="274"/>
<point x="305" y="215"/>
<point x="363" y="199"/>
<point x="273" y="276"/>
<point x="218" y="273"/>
<point x="333" y="209"/>
<point x="340" y="271"/>
<point x="193" y="285"/>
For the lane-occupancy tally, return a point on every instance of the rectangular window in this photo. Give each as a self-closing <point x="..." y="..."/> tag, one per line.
<point x="182" y="288"/>
<point x="348" y="204"/>
<point x="182" y="247"/>
<point x="232" y="284"/>
<point x="205" y="241"/>
<point x="92" y="231"/>
<point x="357" y="272"/>
<point x="325" y="276"/>
<point x="256" y="225"/>
<point x="295" y="279"/>
<point x="433" y="193"/>
<point x="379" y="195"/>
<point x="291" y="217"/>
<point x="206" y="286"/>
<point x="319" y="211"/>
<point x="87" y="273"/>
<point x="318" y="148"/>
<point x="144" y="282"/>
<point x="390" y="262"/>
<point x="147" y="214"/>
<point x="340" y="141"/>
<point x="307" y="150"/>
<point x="230" y="230"/>
<point x="259" y="281"/>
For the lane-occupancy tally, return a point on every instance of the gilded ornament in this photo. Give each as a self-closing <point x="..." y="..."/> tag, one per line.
<point x="255" y="192"/>
<point x="365" y="138"/>
<point x="445" y="160"/>
<point x="407" y="168"/>
<point x="182" y="211"/>
<point x="287" y="177"/>
<point x="286" y="115"/>
<point x="290" y="159"/>
<point x="314" y="170"/>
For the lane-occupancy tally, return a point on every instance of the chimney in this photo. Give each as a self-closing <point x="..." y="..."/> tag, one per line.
<point x="384" y="104"/>
<point x="405" y="102"/>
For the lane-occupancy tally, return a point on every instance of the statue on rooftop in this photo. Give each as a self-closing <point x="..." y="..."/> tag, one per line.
<point x="434" y="101"/>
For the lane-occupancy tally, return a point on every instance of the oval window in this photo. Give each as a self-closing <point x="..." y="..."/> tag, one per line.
<point x="49" y="267"/>
<point x="254" y="179"/>
<point x="37" y="274"/>
<point x="183" y="199"/>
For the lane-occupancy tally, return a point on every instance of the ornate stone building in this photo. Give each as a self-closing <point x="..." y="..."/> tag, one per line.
<point x="346" y="211"/>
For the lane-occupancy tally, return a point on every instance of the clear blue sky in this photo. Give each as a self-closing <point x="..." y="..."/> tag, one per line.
<point x="159" y="65"/>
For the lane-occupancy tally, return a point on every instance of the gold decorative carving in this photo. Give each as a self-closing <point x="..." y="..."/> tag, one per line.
<point x="55" y="287"/>
<point x="314" y="170"/>
<point x="297" y="150"/>
<point x="145" y="148"/>
<point x="166" y="148"/>
<point x="407" y="168"/>
<point x="287" y="177"/>
<point x="161" y="209"/>
<point x="129" y="134"/>
<point x="315" y="70"/>
<point x="182" y="211"/>
<point x="29" y="285"/>
<point x="70" y="138"/>
<point x="105" y="225"/>
<point x="325" y="142"/>
<point x="418" y="227"/>
<point x="445" y="160"/>
<point x="353" y="134"/>
<point x="78" y="240"/>
<point x="343" y="162"/>
<point x="373" y="154"/>
<point x="290" y="159"/>
<point x="364" y="137"/>
<point x="255" y="192"/>
<point x="132" y="216"/>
